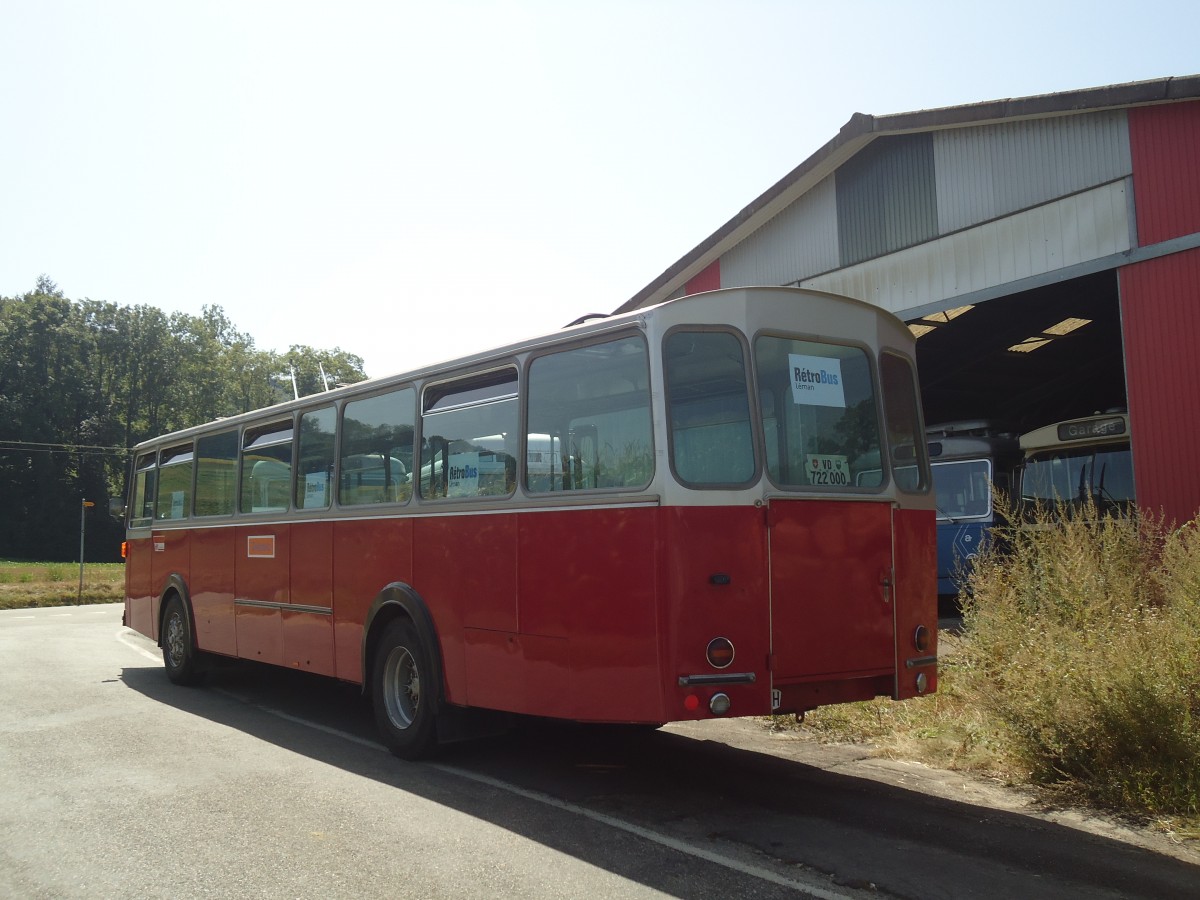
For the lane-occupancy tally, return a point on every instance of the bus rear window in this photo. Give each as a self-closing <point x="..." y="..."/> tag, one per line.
<point x="708" y="408"/>
<point x="820" y="419"/>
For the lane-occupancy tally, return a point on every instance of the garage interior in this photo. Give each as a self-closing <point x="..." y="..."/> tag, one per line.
<point x="1023" y="360"/>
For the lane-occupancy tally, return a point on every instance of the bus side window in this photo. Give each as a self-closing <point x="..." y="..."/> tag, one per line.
<point x="175" y="483"/>
<point x="471" y="437"/>
<point x="902" y="419"/>
<point x="314" y="468"/>
<point x="377" y="449"/>
<point x="266" y="468"/>
<point x="145" y="484"/>
<point x="598" y="397"/>
<point x="216" y="474"/>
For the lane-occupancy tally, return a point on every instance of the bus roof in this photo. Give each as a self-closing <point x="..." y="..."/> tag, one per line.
<point x="946" y="449"/>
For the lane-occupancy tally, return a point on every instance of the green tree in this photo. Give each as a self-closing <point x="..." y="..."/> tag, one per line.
<point x="83" y="381"/>
<point x="317" y="371"/>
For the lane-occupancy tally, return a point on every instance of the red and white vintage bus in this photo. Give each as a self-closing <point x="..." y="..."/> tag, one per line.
<point x="648" y="518"/>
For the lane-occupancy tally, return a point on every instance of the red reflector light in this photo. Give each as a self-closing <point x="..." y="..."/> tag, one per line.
<point x="691" y="703"/>
<point x="720" y="652"/>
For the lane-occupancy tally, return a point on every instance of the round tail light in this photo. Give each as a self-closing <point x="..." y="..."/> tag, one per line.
<point x="720" y="653"/>
<point x="922" y="638"/>
<point x="719" y="704"/>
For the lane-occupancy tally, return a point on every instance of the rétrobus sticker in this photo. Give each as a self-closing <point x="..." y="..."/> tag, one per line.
<point x="817" y="380"/>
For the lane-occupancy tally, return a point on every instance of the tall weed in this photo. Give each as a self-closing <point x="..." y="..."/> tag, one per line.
<point x="1082" y="644"/>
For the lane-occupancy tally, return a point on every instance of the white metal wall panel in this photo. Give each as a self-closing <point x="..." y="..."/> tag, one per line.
<point x="1086" y="226"/>
<point x="993" y="170"/>
<point x="799" y="242"/>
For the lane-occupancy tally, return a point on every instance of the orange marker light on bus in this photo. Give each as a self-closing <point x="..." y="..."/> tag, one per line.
<point x="922" y="638"/>
<point x="124" y="549"/>
<point x="719" y="652"/>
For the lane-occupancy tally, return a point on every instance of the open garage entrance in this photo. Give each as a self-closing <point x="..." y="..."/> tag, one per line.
<point x="1027" y="359"/>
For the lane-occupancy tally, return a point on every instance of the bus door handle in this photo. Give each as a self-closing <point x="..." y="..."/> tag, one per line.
<point x="885" y="581"/>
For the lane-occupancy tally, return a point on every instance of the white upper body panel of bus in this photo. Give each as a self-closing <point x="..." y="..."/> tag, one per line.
<point x="808" y="312"/>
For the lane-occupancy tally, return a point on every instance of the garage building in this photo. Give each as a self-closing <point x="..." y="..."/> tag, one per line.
<point x="1045" y="249"/>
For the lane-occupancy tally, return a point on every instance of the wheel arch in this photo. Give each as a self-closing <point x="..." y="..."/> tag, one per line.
<point x="399" y="600"/>
<point x="175" y="585"/>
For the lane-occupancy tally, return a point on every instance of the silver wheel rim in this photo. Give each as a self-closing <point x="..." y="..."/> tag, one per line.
<point x="174" y="639"/>
<point x="401" y="687"/>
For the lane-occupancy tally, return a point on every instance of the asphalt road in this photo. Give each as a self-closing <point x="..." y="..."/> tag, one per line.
<point x="269" y="783"/>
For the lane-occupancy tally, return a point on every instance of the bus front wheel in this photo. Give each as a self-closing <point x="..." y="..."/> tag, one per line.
<point x="180" y="656"/>
<point x="403" y="692"/>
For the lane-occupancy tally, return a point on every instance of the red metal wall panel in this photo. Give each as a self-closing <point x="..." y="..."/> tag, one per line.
<point x="1164" y="143"/>
<point x="1160" y="313"/>
<point x="708" y="280"/>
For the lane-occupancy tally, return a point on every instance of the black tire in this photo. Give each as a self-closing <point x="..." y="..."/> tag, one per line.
<point x="180" y="656"/>
<point x="403" y="692"/>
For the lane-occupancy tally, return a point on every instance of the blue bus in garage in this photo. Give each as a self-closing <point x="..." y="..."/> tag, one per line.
<point x="967" y="459"/>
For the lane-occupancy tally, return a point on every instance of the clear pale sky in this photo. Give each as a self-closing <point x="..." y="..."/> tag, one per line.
<point x="411" y="182"/>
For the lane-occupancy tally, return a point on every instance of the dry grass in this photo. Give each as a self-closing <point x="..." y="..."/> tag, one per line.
<point x="33" y="584"/>
<point x="1078" y="670"/>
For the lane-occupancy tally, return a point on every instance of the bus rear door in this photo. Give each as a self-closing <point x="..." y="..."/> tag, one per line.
<point x="832" y="586"/>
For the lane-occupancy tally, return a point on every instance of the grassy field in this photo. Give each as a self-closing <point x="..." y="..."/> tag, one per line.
<point x="31" y="584"/>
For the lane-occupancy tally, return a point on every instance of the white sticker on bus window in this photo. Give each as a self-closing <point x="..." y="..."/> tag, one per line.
<point x="817" y="380"/>
<point x="827" y="469"/>
<point x="316" y="490"/>
<point x="464" y="475"/>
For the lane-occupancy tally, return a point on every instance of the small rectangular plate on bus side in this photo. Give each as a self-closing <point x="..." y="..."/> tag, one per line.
<point x="260" y="546"/>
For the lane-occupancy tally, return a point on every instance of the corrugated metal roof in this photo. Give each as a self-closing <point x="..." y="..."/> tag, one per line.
<point x="801" y="241"/>
<point x="886" y="198"/>
<point x="1066" y="232"/>
<point x="861" y="130"/>
<point x="991" y="171"/>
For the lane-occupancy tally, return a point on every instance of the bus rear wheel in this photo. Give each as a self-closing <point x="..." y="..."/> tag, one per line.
<point x="180" y="656"/>
<point x="403" y="692"/>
